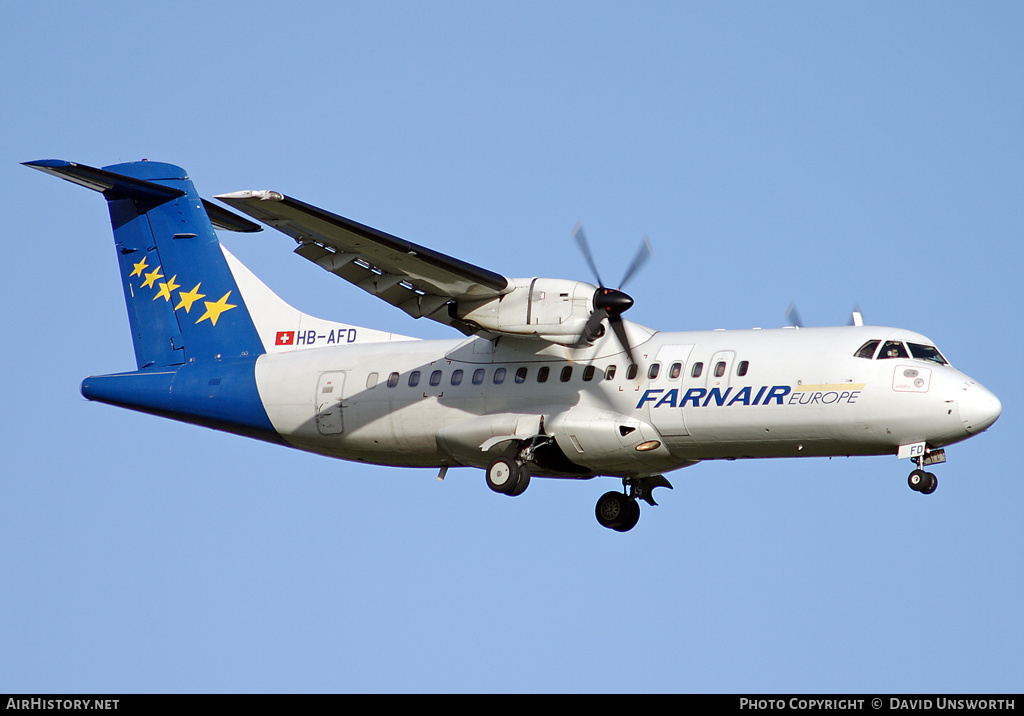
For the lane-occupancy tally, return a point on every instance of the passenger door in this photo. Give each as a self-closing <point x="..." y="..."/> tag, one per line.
<point x="328" y="403"/>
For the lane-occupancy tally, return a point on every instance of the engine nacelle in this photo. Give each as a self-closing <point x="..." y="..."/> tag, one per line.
<point x="554" y="309"/>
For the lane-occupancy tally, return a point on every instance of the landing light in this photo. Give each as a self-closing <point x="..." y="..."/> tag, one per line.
<point x="648" y="445"/>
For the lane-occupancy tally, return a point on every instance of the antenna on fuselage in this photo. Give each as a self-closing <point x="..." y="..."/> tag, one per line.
<point x="857" y="319"/>
<point x="793" y="318"/>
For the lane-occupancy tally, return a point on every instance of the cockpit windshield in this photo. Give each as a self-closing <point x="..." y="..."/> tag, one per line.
<point x="893" y="349"/>
<point x="922" y="352"/>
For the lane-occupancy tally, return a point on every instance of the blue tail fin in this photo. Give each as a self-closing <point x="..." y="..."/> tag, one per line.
<point x="183" y="303"/>
<point x="195" y="342"/>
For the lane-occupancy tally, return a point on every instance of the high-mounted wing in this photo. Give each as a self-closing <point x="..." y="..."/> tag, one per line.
<point x="420" y="281"/>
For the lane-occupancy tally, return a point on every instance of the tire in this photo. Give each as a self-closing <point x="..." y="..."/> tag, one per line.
<point x="917" y="480"/>
<point x="613" y="510"/>
<point x="632" y="517"/>
<point x="502" y="475"/>
<point x="931" y="482"/>
<point x="522" y="482"/>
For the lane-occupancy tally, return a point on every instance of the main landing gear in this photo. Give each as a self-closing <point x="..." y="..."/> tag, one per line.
<point x="508" y="477"/>
<point x="617" y="511"/>
<point x="620" y="511"/>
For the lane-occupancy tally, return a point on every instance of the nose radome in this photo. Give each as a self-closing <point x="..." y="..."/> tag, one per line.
<point x="978" y="407"/>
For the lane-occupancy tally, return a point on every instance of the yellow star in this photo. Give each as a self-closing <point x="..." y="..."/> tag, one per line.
<point x="166" y="288"/>
<point x="139" y="267"/>
<point x="215" y="308"/>
<point x="188" y="298"/>
<point x="152" y="276"/>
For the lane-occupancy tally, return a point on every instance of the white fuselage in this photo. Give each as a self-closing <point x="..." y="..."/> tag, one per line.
<point x="757" y="393"/>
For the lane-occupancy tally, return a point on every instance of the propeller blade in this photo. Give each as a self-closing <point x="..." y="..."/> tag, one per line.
<point x="793" y="317"/>
<point x="593" y="329"/>
<point x="610" y="303"/>
<point x="581" y="241"/>
<point x="620" y="333"/>
<point x="639" y="260"/>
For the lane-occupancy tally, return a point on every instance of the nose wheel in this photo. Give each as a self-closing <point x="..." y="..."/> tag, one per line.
<point x="923" y="482"/>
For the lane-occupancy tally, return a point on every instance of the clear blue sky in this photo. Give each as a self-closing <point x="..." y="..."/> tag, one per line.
<point x="829" y="154"/>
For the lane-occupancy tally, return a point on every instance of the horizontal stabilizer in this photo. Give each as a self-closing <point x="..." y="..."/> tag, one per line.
<point x="113" y="186"/>
<point x="110" y="184"/>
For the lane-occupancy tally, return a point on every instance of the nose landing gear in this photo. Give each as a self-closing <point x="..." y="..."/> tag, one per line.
<point x="923" y="482"/>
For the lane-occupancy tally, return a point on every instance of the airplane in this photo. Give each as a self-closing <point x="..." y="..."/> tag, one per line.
<point x="547" y="379"/>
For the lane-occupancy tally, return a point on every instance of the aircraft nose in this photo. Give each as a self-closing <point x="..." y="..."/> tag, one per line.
<point x="978" y="407"/>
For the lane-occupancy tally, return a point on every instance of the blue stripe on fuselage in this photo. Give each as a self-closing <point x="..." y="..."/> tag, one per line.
<point x="216" y="394"/>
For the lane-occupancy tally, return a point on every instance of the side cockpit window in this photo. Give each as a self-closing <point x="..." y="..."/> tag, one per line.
<point x="893" y="349"/>
<point x="922" y="352"/>
<point x="867" y="350"/>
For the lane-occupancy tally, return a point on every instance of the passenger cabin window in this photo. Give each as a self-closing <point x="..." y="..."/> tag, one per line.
<point x="371" y="380"/>
<point x="393" y="380"/>
<point x="588" y="373"/>
<point x="719" y="369"/>
<point x="742" y="368"/>
<point x="927" y="353"/>
<point x="478" y="376"/>
<point x="435" y="378"/>
<point x="609" y="372"/>
<point x="631" y="371"/>
<point x="697" y="369"/>
<point x="499" y="376"/>
<point x="414" y="379"/>
<point x="867" y="350"/>
<point x="521" y="375"/>
<point x="893" y="349"/>
<point x="653" y="371"/>
<point x="674" y="370"/>
<point x="566" y="374"/>
<point x="457" y="377"/>
<point x="542" y="374"/>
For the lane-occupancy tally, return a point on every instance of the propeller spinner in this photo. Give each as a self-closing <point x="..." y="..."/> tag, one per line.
<point x="610" y="303"/>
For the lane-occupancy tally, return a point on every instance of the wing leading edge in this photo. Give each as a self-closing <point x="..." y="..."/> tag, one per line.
<point x="420" y="281"/>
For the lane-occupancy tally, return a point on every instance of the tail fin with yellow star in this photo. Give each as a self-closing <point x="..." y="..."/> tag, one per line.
<point x="196" y="345"/>
<point x="183" y="302"/>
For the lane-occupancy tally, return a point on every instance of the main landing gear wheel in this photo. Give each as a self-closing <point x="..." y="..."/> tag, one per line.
<point x="617" y="512"/>
<point x="923" y="482"/>
<point x="508" y="477"/>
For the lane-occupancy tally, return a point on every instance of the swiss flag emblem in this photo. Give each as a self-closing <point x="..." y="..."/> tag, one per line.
<point x="285" y="338"/>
